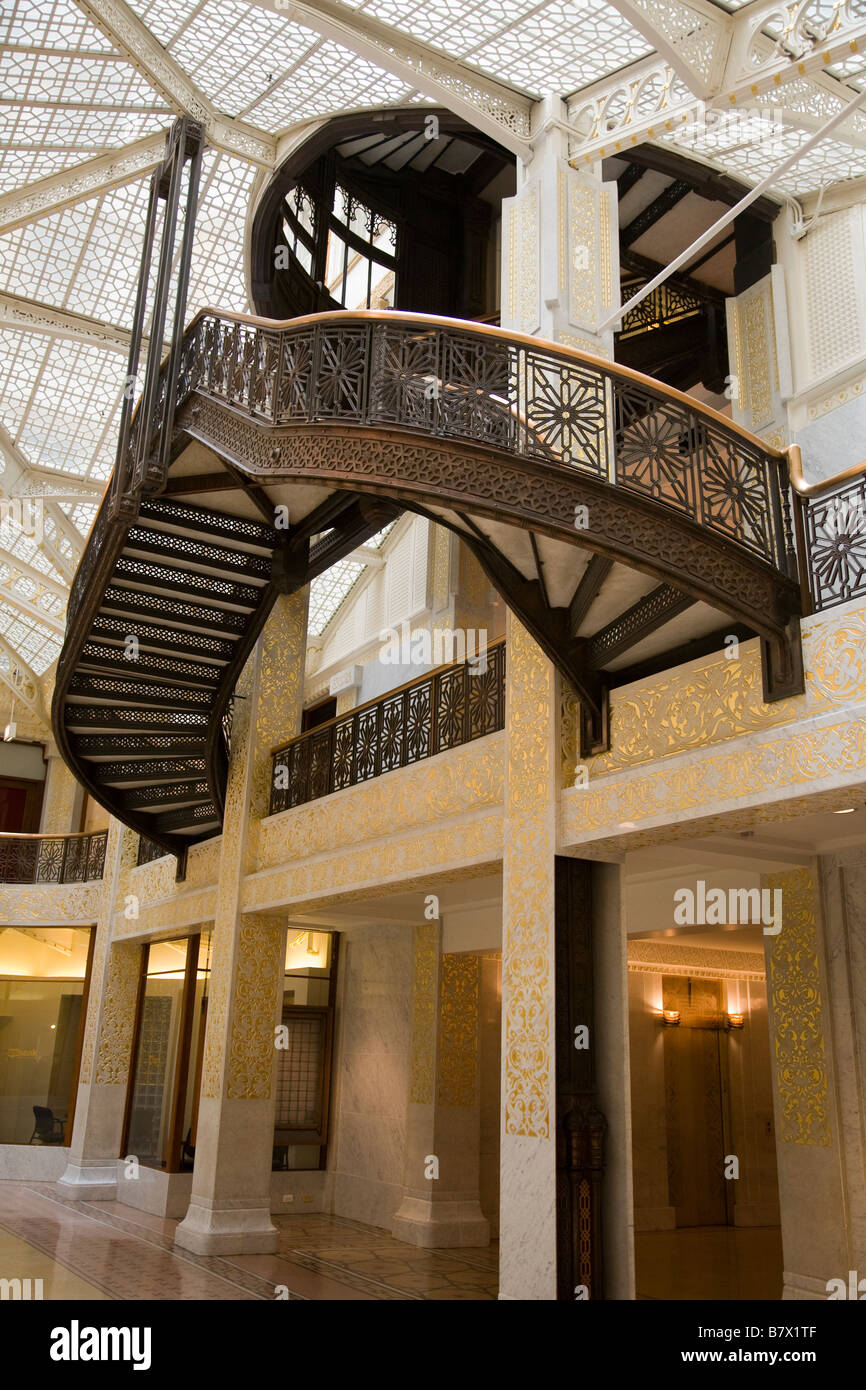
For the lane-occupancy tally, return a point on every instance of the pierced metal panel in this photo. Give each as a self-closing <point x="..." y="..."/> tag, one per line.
<point x="835" y="532"/>
<point x="442" y="710"/>
<point x="52" y="858"/>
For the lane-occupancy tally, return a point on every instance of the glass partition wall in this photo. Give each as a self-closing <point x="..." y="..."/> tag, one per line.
<point x="44" y="979"/>
<point x="162" y="1101"/>
<point x="171" y="1016"/>
<point x="304" y="1050"/>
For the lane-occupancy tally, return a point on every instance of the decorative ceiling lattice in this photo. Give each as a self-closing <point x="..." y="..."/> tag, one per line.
<point x="84" y="107"/>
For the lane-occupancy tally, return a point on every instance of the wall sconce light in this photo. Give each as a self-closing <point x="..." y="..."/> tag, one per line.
<point x="10" y="731"/>
<point x="671" y="1018"/>
<point x="312" y="948"/>
<point x="736" y="1020"/>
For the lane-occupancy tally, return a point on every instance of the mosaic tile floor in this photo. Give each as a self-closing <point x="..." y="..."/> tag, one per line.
<point x="106" y="1250"/>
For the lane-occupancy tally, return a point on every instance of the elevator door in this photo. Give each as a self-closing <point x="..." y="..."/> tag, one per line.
<point x="694" y="1107"/>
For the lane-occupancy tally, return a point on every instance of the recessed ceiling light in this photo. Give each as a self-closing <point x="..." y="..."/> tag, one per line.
<point x="627" y="825"/>
<point x="849" y="810"/>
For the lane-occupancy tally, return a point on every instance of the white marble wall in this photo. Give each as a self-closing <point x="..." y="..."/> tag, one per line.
<point x="374" y="1046"/>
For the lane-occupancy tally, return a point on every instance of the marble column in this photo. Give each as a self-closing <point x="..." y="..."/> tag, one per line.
<point x="106" y="1055"/>
<point x="441" y="1203"/>
<point x="613" y="1077"/>
<point x="63" y="797"/>
<point x="805" y="1004"/>
<point x="229" y="1210"/>
<point x="843" y="881"/>
<point x="528" y="1146"/>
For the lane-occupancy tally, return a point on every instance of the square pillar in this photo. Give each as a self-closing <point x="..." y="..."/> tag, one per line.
<point x="441" y="1204"/>
<point x="229" y="1210"/>
<point x="106" y="1054"/>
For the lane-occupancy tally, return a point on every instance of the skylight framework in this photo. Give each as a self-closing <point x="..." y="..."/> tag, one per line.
<point x="93" y="85"/>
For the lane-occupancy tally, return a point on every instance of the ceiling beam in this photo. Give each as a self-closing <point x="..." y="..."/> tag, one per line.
<point x="646" y="267"/>
<point x="630" y="175"/>
<point x="30" y="316"/>
<point x="708" y="183"/>
<point x="588" y="590"/>
<point x="15" y="477"/>
<point x="711" y="23"/>
<point x="653" y="611"/>
<point x="84" y="180"/>
<point x="599" y="133"/>
<point x="655" y="211"/>
<point x="32" y="610"/>
<point x="44" y="581"/>
<point x="59" y="486"/>
<point x="127" y="32"/>
<point x="490" y="106"/>
<point x="32" y="702"/>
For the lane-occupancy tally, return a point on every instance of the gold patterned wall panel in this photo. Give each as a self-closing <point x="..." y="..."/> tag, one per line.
<point x="258" y="980"/>
<point x="716" y="699"/>
<point x="528" y="267"/>
<point x="463" y="779"/>
<point x="61" y="794"/>
<point x="103" y="919"/>
<point x="117" y="1023"/>
<point x="49" y="905"/>
<point x="796" y="1012"/>
<point x="527" y="986"/>
<point x="466" y="849"/>
<point x="527" y="886"/>
<point x="750" y="778"/>
<point x="582" y="243"/>
<point x="527" y="715"/>
<point x="457" y="1072"/>
<point x="246" y="972"/>
<point x="521" y="236"/>
<point x="235" y="829"/>
<point x="425" y="984"/>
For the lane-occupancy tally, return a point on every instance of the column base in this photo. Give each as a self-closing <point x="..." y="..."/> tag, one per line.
<point x="90" y="1180"/>
<point x="227" y="1231"/>
<point x="803" y="1288"/>
<point x="440" y="1225"/>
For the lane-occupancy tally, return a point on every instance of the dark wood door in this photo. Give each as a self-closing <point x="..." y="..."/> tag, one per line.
<point x="695" y="1130"/>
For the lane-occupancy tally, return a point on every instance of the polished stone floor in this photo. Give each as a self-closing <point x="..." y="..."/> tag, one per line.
<point x="106" y="1250"/>
<point x="709" y="1262"/>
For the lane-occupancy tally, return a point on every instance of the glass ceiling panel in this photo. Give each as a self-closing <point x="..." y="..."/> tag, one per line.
<point x="25" y="166"/>
<point x="164" y="18"/>
<point x="217" y="277"/>
<point x="554" y="47"/>
<point x="91" y="81"/>
<point x="49" y="24"/>
<point x="328" y="591"/>
<point x="69" y="422"/>
<point x="38" y="645"/>
<point x="330" y="78"/>
<point x="238" y="51"/>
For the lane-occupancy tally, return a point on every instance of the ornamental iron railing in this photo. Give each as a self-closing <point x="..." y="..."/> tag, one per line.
<point x="834" y="535"/>
<point x="445" y="708"/>
<point x="466" y="382"/>
<point x="52" y="858"/>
